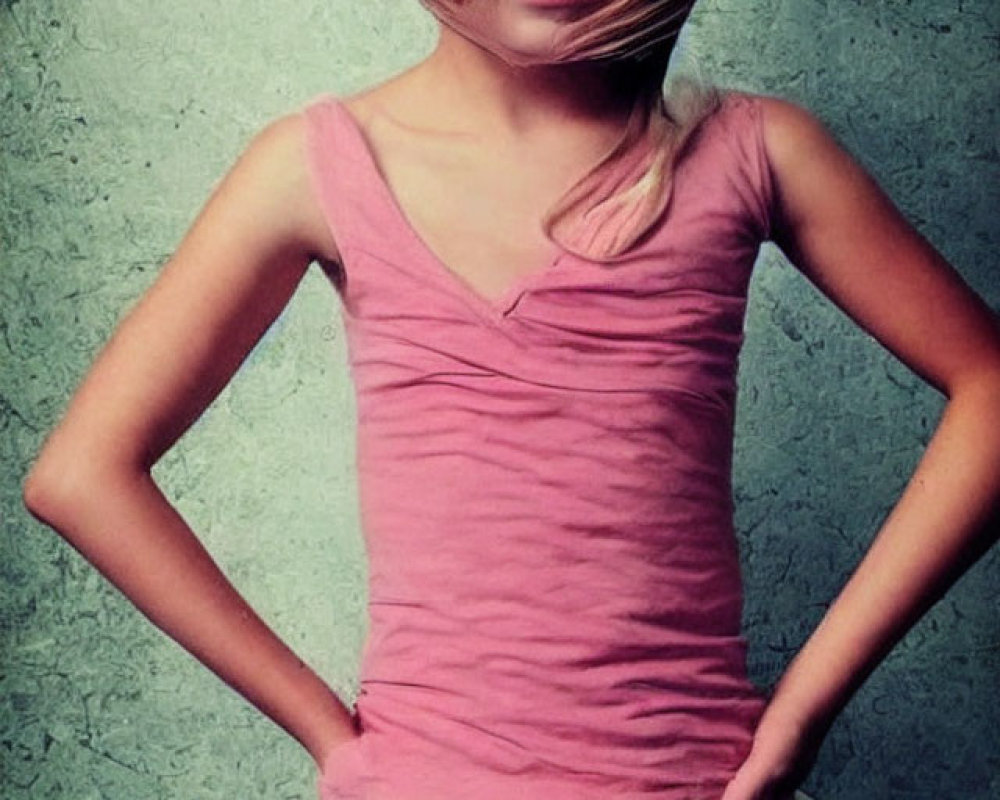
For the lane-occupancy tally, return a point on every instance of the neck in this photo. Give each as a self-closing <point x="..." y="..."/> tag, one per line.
<point x="489" y="93"/>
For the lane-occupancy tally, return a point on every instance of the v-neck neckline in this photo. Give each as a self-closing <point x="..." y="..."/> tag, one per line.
<point x="495" y="309"/>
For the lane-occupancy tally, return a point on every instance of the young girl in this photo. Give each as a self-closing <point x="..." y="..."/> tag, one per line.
<point x="543" y="267"/>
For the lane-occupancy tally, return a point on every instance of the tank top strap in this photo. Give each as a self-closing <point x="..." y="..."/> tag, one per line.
<point x="353" y="202"/>
<point x="738" y="127"/>
<point x="334" y="167"/>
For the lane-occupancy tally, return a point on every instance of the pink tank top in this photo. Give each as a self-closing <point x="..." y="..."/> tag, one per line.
<point x="555" y="595"/>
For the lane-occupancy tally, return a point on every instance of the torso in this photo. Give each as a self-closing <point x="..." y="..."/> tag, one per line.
<point x="501" y="450"/>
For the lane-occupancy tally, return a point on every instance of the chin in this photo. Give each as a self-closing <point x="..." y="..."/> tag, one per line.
<point x="530" y="27"/>
<point x="527" y="30"/>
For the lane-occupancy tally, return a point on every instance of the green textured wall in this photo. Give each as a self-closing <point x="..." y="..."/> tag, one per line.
<point x="116" y="120"/>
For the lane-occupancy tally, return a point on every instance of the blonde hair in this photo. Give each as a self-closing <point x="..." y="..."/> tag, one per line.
<point x="617" y="202"/>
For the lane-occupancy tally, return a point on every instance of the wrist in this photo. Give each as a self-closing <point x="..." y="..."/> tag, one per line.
<point x="334" y="726"/>
<point x="798" y="716"/>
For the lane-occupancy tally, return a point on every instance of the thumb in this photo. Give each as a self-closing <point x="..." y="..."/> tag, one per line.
<point x="750" y="783"/>
<point x="741" y="787"/>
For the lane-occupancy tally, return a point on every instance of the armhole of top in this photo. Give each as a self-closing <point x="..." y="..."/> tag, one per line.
<point x="320" y="151"/>
<point x="740" y="116"/>
<point x="763" y="175"/>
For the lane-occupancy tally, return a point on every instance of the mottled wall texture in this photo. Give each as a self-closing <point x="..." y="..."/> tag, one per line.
<point x="117" y="119"/>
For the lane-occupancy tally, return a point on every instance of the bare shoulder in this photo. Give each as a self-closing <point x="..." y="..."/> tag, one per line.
<point x="786" y="126"/>
<point x="812" y="171"/>
<point x="782" y="112"/>
<point x="791" y="130"/>
<point x="277" y="154"/>
<point x="799" y="144"/>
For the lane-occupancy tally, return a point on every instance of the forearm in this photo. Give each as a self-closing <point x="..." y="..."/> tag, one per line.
<point x="124" y="525"/>
<point x="945" y="519"/>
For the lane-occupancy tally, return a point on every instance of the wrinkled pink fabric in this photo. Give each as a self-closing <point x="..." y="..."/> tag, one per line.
<point x="544" y="484"/>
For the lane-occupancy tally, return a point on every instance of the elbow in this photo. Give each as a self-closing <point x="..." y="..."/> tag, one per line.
<point x="49" y="475"/>
<point x="62" y="478"/>
<point x="33" y="496"/>
<point x="49" y="487"/>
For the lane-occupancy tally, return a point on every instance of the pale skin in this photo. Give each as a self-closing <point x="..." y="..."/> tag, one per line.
<point x="505" y="130"/>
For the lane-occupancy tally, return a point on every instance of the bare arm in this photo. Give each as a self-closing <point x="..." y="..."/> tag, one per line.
<point x="171" y="355"/>
<point x="844" y="234"/>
